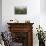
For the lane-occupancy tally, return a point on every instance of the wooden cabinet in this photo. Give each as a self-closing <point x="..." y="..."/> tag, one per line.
<point x="22" y="33"/>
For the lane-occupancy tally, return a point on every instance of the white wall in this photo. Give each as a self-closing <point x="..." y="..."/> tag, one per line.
<point x="43" y="14"/>
<point x="0" y="15"/>
<point x="33" y="10"/>
<point x="43" y="6"/>
<point x="34" y="14"/>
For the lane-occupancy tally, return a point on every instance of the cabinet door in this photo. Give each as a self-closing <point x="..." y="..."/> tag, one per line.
<point x="20" y="38"/>
<point x="23" y="38"/>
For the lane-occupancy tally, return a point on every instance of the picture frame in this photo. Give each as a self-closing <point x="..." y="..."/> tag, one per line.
<point x="20" y="10"/>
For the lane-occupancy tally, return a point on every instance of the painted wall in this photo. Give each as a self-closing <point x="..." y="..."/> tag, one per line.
<point x="43" y="6"/>
<point x="43" y="14"/>
<point x="33" y="11"/>
<point x="0" y="15"/>
<point x="34" y="14"/>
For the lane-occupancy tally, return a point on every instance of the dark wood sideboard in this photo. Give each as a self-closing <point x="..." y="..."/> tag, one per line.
<point x="22" y="33"/>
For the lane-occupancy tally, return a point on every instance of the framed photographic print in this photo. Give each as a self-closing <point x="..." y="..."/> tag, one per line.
<point x="20" y="10"/>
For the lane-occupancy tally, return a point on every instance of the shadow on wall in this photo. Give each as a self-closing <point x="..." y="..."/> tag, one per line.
<point x="43" y="6"/>
<point x="0" y="15"/>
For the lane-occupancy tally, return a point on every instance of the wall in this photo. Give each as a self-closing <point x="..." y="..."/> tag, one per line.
<point x="34" y="14"/>
<point x="43" y="6"/>
<point x="0" y="15"/>
<point x="33" y="10"/>
<point x="43" y="14"/>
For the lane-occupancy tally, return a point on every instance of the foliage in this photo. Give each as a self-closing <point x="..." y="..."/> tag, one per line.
<point x="40" y="33"/>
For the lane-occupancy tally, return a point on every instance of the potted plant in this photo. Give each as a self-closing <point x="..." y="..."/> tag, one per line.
<point x="41" y="36"/>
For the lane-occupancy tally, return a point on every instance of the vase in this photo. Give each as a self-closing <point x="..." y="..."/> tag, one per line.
<point x="41" y="43"/>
